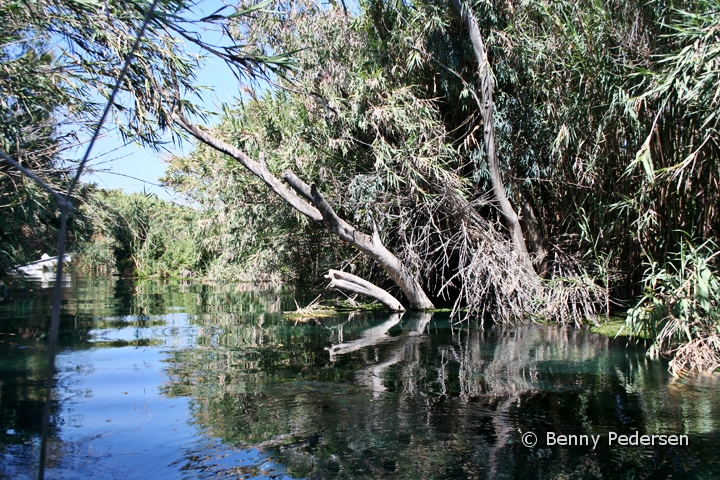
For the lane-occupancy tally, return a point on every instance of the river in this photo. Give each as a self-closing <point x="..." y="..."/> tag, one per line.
<point x="168" y="379"/>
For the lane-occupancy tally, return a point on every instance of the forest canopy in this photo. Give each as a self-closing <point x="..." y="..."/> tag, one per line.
<point x="554" y="160"/>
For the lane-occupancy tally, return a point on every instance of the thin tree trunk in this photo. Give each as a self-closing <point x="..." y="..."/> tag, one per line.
<point x="535" y="239"/>
<point x="310" y="202"/>
<point x="486" y="110"/>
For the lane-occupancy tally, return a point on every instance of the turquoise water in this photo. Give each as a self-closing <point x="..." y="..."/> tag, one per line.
<point x="168" y="380"/>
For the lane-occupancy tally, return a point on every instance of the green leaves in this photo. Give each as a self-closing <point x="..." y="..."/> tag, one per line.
<point x="644" y="158"/>
<point x="139" y="232"/>
<point x="260" y="6"/>
<point x="681" y="308"/>
<point x="706" y="288"/>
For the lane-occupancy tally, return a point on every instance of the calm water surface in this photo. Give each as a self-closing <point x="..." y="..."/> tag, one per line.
<point x="164" y="380"/>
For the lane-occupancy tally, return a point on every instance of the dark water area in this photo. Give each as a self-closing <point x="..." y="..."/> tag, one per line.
<point x="169" y="380"/>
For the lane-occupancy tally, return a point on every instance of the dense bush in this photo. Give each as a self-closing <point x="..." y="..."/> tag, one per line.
<point x="680" y="310"/>
<point x="139" y="234"/>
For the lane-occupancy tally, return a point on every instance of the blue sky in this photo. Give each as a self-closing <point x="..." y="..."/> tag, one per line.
<point x="137" y="169"/>
<point x="146" y="165"/>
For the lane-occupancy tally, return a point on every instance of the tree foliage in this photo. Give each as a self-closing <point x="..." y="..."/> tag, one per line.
<point x="59" y="61"/>
<point x="360" y="117"/>
<point x="139" y="234"/>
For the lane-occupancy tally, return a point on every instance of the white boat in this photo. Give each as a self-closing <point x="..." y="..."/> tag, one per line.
<point x="38" y="267"/>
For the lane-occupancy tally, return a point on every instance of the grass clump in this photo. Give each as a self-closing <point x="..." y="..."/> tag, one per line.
<point x="612" y="327"/>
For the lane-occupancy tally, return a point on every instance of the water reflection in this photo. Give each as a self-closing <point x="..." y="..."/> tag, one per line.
<point x="183" y="380"/>
<point x="413" y="396"/>
<point x="368" y="338"/>
<point x="113" y="336"/>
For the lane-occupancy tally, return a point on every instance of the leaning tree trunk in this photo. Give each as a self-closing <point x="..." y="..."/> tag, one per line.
<point x="309" y="201"/>
<point x="486" y="110"/>
<point x="370" y="245"/>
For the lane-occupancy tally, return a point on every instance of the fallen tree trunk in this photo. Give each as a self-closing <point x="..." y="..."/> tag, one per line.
<point x="307" y="200"/>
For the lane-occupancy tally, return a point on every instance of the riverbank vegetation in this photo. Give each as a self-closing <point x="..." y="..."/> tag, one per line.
<point x="555" y="160"/>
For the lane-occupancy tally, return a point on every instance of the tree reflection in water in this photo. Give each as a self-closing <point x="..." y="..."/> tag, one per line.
<point x="412" y="396"/>
<point x="365" y="395"/>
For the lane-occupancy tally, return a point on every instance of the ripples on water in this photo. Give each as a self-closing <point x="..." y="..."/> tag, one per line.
<point x="163" y="380"/>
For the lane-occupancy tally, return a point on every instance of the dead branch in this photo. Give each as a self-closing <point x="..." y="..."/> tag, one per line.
<point x="352" y="283"/>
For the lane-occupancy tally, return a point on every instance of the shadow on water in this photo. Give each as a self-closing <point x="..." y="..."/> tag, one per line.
<point x="169" y="380"/>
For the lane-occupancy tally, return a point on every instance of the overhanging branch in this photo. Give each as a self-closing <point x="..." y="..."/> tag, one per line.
<point x="309" y="201"/>
<point x="255" y="168"/>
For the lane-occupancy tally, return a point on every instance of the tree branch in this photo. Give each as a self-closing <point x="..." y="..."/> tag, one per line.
<point x="370" y="245"/>
<point x="350" y="282"/>
<point x="322" y="212"/>
<point x="255" y="168"/>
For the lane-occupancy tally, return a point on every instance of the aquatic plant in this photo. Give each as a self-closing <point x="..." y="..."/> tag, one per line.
<point x="139" y="234"/>
<point x="680" y="310"/>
